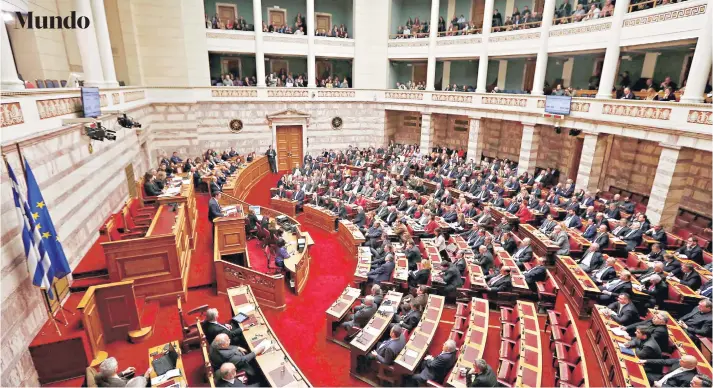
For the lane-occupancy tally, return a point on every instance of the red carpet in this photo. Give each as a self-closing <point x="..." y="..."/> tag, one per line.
<point x="301" y="326"/>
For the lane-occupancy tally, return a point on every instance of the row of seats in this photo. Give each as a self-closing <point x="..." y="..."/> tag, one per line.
<point x="132" y="221"/>
<point x="520" y="347"/>
<point x="568" y="361"/>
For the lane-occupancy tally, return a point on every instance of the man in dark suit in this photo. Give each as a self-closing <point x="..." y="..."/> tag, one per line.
<point x="340" y="210"/>
<point x="361" y="317"/>
<point x="538" y="273"/>
<point x="214" y="209"/>
<point x="150" y="185"/>
<point x="706" y="289"/>
<point x="413" y="255"/>
<point x="615" y="287"/>
<point x="383" y="272"/>
<point x="602" y="237"/>
<point x="299" y="196"/>
<point x="698" y="321"/>
<point x="451" y="277"/>
<point x="690" y="277"/>
<point x="548" y="224"/>
<point x="436" y="368"/>
<point x="221" y="351"/>
<point x="386" y="351"/>
<point x="483" y="258"/>
<point x="632" y="237"/>
<point x="271" y="155"/>
<point x="656" y="253"/>
<point x="482" y="375"/>
<point x="692" y="251"/>
<point x="572" y="220"/>
<point x="657" y="325"/>
<point x="606" y="272"/>
<point x="612" y="212"/>
<point x="227" y="376"/>
<point x="211" y="328"/>
<point x="592" y="259"/>
<point x="523" y="254"/>
<point x="658" y="234"/>
<point x="623" y="311"/>
<point x="671" y="265"/>
<point x="655" y="287"/>
<point x="590" y="230"/>
<point x="645" y="347"/>
<point x="502" y="282"/>
<point x="680" y="373"/>
<point x="409" y="319"/>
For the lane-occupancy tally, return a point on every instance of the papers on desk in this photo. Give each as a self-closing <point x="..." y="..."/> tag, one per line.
<point x="411" y="353"/>
<point x="372" y="330"/>
<point x="171" y="192"/>
<point x="682" y="256"/>
<point x="625" y="350"/>
<point x="618" y="331"/>
<point x="387" y="309"/>
<point x="637" y="287"/>
<point x="246" y="309"/>
<point x="166" y="376"/>
<point x="265" y="345"/>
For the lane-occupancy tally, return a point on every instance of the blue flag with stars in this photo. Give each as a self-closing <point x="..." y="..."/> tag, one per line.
<point x="41" y="216"/>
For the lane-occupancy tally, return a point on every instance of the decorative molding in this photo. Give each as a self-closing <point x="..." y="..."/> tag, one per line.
<point x="339" y="43"/>
<point x="637" y="111"/>
<point x="574" y="107"/>
<point x="115" y="98"/>
<point x="505" y="101"/>
<point x="103" y="101"/>
<point x="449" y="42"/>
<point x="287" y="93"/>
<point x="452" y="97"/>
<point x="58" y="107"/>
<point x="235" y="125"/>
<point x="581" y="30"/>
<point x="509" y="38"/>
<point x="233" y="92"/>
<point x="217" y="35"/>
<point x="134" y="96"/>
<point x="666" y="16"/>
<point x="404" y="96"/>
<point x="284" y="39"/>
<point x="288" y="114"/>
<point x="337" y="123"/>
<point x="409" y="43"/>
<point x="700" y="117"/>
<point x="336" y="93"/>
<point x="11" y="114"/>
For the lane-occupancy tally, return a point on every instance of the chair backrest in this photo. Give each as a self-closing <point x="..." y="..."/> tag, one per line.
<point x="90" y="375"/>
<point x="49" y="84"/>
<point x="111" y="230"/>
<point x="63" y="83"/>
<point x="40" y="83"/>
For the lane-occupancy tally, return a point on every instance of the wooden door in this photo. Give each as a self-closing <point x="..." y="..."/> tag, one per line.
<point x="539" y="6"/>
<point x="324" y="69"/>
<point x="477" y="11"/>
<point x="324" y="22"/>
<point x="529" y="78"/>
<point x="277" y="17"/>
<point x="232" y="66"/>
<point x="226" y="12"/>
<point x="419" y="72"/>
<point x="279" y="66"/>
<point x="289" y="146"/>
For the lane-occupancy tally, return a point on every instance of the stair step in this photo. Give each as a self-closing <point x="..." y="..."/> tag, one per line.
<point x="141" y="335"/>
<point x="90" y="274"/>
<point x="84" y="283"/>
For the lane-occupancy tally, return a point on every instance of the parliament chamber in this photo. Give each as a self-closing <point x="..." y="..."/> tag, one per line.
<point x="333" y="193"/>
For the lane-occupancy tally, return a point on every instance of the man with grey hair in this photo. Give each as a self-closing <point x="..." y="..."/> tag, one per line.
<point x="221" y="351"/>
<point x="211" y="328"/>
<point x="633" y="236"/>
<point x="228" y="376"/>
<point x="482" y="375"/>
<point x="108" y="376"/>
<point x="361" y="318"/>
<point x="592" y="259"/>
<point x="436" y="368"/>
<point x="658" y="326"/>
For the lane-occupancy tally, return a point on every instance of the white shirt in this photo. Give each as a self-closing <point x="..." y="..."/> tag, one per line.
<point x="587" y="258"/>
<point x="441" y="243"/>
<point x="674" y="372"/>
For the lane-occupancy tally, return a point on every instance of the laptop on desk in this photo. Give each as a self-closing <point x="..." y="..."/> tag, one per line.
<point x="166" y="362"/>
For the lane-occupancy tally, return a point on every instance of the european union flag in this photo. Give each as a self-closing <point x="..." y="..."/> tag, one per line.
<point x="41" y="216"/>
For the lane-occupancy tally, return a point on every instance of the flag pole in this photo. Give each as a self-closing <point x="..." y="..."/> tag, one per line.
<point x="22" y="160"/>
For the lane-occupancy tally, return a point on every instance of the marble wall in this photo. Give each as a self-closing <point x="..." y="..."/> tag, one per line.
<point x="556" y="150"/>
<point x="631" y="164"/>
<point x="697" y="192"/>
<point x="501" y="138"/>
<point x="450" y="131"/>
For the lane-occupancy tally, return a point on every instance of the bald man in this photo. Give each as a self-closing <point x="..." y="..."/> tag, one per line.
<point x="680" y="373"/>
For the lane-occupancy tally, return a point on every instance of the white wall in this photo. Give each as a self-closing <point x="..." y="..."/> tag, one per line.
<point x="371" y="23"/>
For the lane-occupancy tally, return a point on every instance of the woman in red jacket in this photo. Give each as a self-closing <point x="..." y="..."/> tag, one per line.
<point x="524" y="213"/>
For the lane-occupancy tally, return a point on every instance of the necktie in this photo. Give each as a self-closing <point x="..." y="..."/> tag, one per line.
<point x="707" y="292"/>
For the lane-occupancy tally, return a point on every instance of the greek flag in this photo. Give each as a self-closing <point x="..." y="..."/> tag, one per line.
<point x="38" y="260"/>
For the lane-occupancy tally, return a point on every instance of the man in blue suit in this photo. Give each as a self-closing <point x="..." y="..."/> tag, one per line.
<point x="383" y="272"/>
<point x="572" y="220"/>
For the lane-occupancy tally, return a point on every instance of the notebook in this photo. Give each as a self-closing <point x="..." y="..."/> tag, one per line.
<point x="167" y="362"/>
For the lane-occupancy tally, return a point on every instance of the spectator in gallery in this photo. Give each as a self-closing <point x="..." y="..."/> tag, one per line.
<point x="593" y="12"/>
<point x="441" y="24"/>
<point x="628" y="95"/>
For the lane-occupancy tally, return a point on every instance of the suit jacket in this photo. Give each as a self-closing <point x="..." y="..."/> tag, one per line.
<point x="609" y="213"/>
<point x="602" y="239"/>
<point x="595" y="262"/>
<point x="509" y="246"/>
<point x="387" y="351"/>
<point x="691" y="279"/>
<point x="605" y="273"/>
<point x="461" y="264"/>
<point x="535" y="274"/>
<point x="680" y="380"/>
<point x="523" y="255"/>
<point x="659" y="236"/>
<point x="214" y="210"/>
<point x="359" y="219"/>
<point x="485" y="261"/>
<point x="648" y="349"/>
<point x="503" y="284"/>
<point x="410" y="320"/>
<point x="452" y="277"/>
<point x="619" y="288"/>
<point x="698" y="323"/>
<point x="231" y="354"/>
<point x="419" y="277"/>
<point x="485" y="379"/>
<point x="225" y="383"/>
<point x="438" y="367"/>
<point x="590" y="232"/>
<point x="573" y="222"/>
<point x="628" y="315"/>
<point x="484" y="219"/>
<point x="212" y="329"/>
<point x="102" y="381"/>
<point x="694" y="254"/>
<point x="673" y="268"/>
<point x="383" y="272"/>
<point x="632" y="238"/>
<point x="547" y="226"/>
<point x="562" y="240"/>
<point x="151" y="189"/>
<point x="659" y="332"/>
<point x="299" y="197"/>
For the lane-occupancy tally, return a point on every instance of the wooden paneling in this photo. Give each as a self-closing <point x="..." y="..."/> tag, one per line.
<point x="420" y="72"/>
<point x="529" y="77"/>
<point x="93" y="327"/>
<point x="289" y="146"/>
<point x="51" y="368"/>
<point x="477" y="12"/>
<point x="230" y="235"/>
<point x="269" y="290"/>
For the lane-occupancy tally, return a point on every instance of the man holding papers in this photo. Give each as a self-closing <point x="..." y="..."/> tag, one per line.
<point x="622" y="311"/>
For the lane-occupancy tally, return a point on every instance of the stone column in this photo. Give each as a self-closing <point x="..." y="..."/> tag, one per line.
<point x="432" y="34"/>
<point x="88" y="47"/>
<point x="647" y="70"/>
<point x="669" y="184"/>
<point x="259" y="50"/>
<point x="528" y="148"/>
<point x="426" y="133"/>
<point x="611" y="57"/>
<point x="567" y="72"/>
<point x="485" y="37"/>
<point x="591" y="161"/>
<point x="701" y="64"/>
<point x="538" y="82"/>
<point x="104" y="43"/>
<point x="311" y="72"/>
<point x="502" y="73"/>
<point x="475" y="140"/>
<point x="446" y="74"/>
<point x="8" y="77"/>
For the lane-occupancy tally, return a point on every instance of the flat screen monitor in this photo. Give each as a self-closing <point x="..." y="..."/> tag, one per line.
<point x="558" y="105"/>
<point x="91" y="103"/>
<point x="255" y="209"/>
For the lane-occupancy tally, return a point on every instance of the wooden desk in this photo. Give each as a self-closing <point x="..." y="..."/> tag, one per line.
<point x="284" y="205"/>
<point x="620" y="370"/>
<point x="498" y="214"/>
<point x="339" y="309"/>
<point x="320" y="217"/>
<point x="421" y="337"/>
<point x="518" y="279"/>
<point x="240" y="183"/>
<point x="363" y="266"/>
<point x="156" y="352"/>
<point x="350" y="236"/>
<point x="276" y="364"/>
<point x="477" y="277"/>
<point x="579" y="289"/>
<point x="475" y="338"/>
<point x="530" y="362"/>
<point x="367" y="338"/>
<point x="541" y="244"/>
